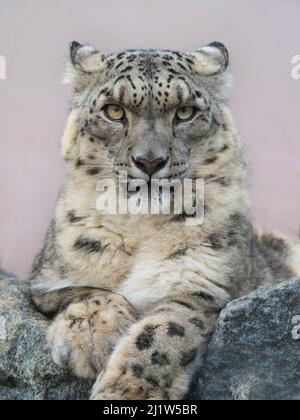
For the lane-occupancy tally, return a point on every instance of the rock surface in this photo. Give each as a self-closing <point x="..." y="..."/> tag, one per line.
<point x="26" y="369"/>
<point x="254" y="353"/>
<point x="255" y="350"/>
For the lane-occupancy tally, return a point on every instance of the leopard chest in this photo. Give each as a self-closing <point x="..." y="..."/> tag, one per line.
<point x="103" y="253"/>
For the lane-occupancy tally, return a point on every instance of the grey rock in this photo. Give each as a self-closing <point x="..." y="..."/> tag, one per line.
<point x="26" y="369"/>
<point x="255" y="351"/>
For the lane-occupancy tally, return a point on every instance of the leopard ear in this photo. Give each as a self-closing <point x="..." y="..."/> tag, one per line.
<point x="210" y="60"/>
<point x="85" y="63"/>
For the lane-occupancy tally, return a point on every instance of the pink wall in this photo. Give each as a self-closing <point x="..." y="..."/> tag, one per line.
<point x="262" y="35"/>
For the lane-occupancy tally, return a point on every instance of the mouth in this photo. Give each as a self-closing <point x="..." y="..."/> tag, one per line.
<point x="131" y="175"/>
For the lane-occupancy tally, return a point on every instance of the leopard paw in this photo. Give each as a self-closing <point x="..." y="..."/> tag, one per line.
<point x="83" y="336"/>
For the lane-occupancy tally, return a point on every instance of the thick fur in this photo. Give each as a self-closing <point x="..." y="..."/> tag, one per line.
<point x="136" y="297"/>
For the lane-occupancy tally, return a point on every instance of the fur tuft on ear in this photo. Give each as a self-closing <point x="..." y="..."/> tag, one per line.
<point x="211" y="59"/>
<point x="85" y="62"/>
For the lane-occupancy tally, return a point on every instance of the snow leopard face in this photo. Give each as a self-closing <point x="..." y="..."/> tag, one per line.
<point x="151" y="113"/>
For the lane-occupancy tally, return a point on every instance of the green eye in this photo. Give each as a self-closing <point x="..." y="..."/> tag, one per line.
<point x="185" y="113"/>
<point x="114" y="112"/>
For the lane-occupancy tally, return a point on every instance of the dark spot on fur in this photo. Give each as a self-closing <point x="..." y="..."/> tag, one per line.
<point x="77" y="321"/>
<point x="152" y="381"/>
<point x="188" y="357"/>
<point x="215" y="241"/>
<point x="175" y="329"/>
<point x="218" y="179"/>
<point x="88" y="245"/>
<point x="179" y="218"/>
<point x="223" y="181"/>
<point x="182" y="66"/>
<point x="167" y="380"/>
<point x="166" y="396"/>
<point x="137" y="370"/>
<point x="63" y="270"/>
<point x="273" y="253"/>
<point x="179" y="253"/>
<point x="160" y="359"/>
<point x="238" y="229"/>
<point x="232" y="238"/>
<point x="131" y="82"/>
<point x="146" y="338"/>
<point x="236" y="219"/>
<point x="211" y="160"/>
<point x="125" y="392"/>
<point x="93" y="171"/>
<point x="79" y="162"/>
<point x="224" y="148"/>
<point x="276" y="244"/>
<point x="73" y="218"/>
<point x="128" y="68"/>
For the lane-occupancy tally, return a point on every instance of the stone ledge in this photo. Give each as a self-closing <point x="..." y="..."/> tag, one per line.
<point x="26" y="369"/>
<point x="253" y="354"/>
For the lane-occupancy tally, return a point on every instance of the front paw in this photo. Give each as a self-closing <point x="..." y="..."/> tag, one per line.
<point x="119" y="385"/>
<point x="83" y="336"/>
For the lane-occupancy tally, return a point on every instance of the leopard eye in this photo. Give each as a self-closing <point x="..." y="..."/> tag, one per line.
<point x="185" y="113"/>
<point x="114" y="112"/>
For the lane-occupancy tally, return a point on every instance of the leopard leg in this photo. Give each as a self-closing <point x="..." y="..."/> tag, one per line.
<point x="155" y="359"/>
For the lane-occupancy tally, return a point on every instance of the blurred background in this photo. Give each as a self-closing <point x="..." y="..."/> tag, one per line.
<point x="262" y="36"/>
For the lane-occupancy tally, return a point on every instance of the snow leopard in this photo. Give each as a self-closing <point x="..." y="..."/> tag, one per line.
<point x="133" y="299"/>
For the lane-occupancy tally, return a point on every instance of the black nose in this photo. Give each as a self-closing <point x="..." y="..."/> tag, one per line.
<point x="150" y="166"/>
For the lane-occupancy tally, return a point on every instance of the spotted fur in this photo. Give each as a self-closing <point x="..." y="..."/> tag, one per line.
<point x="135" y="298"/>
